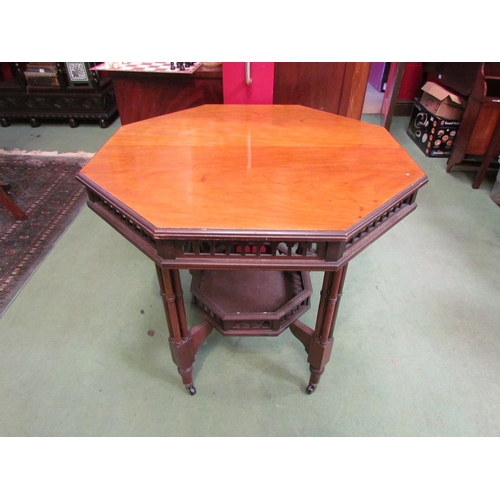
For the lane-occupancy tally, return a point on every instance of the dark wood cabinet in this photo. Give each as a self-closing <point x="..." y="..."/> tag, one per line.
<point x="75" y="93"/>
<point x="336" y="87"/>
<point x="143" y="95"/>
<point x="459" y="76"/>
<point x="478" y="138"/>
<point x="481" y="116"/>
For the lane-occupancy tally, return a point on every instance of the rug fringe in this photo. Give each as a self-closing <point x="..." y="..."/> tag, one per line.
<point x="15" y="151"/>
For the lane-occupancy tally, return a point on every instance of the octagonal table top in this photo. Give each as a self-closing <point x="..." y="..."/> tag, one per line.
<point x="252" y="168"/>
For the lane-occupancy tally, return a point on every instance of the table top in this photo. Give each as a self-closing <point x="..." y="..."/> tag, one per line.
<point x="252" y="168"/>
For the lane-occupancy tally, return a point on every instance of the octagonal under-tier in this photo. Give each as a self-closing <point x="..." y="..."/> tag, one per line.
<point x="252" y="169"/>
<point x="249" y="302"/>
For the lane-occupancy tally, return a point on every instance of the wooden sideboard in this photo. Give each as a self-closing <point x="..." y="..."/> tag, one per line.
<point x="89" y="97"/>
<point x="143" y="95"/>
<point x="336" y="87"/>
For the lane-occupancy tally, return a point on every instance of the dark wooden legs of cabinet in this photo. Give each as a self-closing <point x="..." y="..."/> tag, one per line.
<point x="488" y="156"/>
<point x="492" y="148"/>
<point x="184" y="342"/>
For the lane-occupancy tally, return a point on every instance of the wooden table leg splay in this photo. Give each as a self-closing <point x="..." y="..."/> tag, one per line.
<point x="184" y="342"/>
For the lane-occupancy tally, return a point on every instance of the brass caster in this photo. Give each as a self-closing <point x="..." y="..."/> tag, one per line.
<point x="191" y="389"/>
<point x="310" y="388"/>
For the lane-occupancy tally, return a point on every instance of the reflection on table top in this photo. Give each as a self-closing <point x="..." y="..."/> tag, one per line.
<point x="253" y="168"/>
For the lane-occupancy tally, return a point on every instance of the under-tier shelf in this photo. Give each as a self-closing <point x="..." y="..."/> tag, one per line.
<point x="251" y="302"/>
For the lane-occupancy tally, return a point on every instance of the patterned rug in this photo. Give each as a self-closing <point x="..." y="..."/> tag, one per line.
<point x="45" y="189"/>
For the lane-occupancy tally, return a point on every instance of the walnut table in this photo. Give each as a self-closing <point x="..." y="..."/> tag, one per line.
<point x="250" y="199"/>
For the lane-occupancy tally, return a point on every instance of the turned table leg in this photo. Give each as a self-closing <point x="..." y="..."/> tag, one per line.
<point x="183" y="342"/>
<point x="319" y="342"/>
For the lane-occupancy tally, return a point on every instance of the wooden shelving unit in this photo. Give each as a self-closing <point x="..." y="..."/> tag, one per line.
<point x="480" y="121"/>
<point x="76" y="94"/>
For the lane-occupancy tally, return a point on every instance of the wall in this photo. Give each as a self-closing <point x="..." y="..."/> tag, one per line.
<point x="236" y="91"/>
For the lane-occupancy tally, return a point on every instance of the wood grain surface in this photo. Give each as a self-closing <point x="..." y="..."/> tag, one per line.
<point x="253" y="167"/>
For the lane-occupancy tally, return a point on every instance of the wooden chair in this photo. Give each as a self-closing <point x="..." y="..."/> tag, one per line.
<point x="8" y="203"/>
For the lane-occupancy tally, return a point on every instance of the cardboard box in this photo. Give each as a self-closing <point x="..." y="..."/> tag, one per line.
<point x="433" y="134"/>
<point x="442" y="102"/>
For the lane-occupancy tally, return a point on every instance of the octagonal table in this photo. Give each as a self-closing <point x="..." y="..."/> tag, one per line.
<point x="250" y="199"/>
